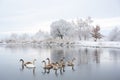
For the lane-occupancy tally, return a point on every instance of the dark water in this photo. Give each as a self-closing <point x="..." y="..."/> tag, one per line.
<point x="90" y="63"/>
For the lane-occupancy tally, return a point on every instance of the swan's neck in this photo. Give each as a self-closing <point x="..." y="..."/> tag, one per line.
<point x="22" y="62"/>
<point x="73" y="60"/>
<point x="48" y="61"/>
<point x="44" y="63"/>
<point x="33" y="61"/>
<point x="61" y="61"/>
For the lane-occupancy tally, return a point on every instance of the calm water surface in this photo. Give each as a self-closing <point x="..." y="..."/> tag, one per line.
<point x="90" y="63"/>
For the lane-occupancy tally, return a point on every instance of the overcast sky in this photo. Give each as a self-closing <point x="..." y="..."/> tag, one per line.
<point x="17" y="16"/>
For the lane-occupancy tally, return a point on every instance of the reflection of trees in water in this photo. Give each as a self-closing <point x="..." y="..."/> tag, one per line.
<point x="16" y="49"/>
<point x="115" y="54"/>
<point x="68" y="53"/>
<point x="97" y="55"/>
<point x="89" y="55"/>
<point x="82" y="55"/>
<point x="56" y="54"/>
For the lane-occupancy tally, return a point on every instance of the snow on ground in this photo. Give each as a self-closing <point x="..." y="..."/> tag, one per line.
<point x="66" y="42"/>
<point x="99" y="44"/>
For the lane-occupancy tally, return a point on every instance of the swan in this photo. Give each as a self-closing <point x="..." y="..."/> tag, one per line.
<point x="56" y="66"/>
<point x="28" y="64"/>
<point x="62" y="64"/>
<point x="49" y="63"/>
<point x="48" y="60"/>
<point x="70" y="63"/>
<point x="46" y="66"/>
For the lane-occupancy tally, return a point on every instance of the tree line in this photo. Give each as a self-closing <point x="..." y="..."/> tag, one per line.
<point x="79" y="29"/>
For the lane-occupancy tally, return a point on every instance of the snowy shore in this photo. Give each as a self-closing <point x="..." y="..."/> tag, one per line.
<point x="99" y="44"/>
<point x="63" y="43"/>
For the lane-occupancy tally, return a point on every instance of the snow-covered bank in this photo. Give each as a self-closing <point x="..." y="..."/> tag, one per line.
<point x="64" y="43"/>
<point x="98" y="44"/>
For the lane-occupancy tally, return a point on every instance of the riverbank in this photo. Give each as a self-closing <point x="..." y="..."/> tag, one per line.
<point x="63" y="43"/>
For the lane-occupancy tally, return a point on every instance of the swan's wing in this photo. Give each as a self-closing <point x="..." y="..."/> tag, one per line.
<point x="30" y="65"/>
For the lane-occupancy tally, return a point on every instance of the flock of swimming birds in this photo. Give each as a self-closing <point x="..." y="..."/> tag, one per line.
<point x="60" y="65"/>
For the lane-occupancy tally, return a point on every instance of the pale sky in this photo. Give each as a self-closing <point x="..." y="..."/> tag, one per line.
<point x="20" y="16"/>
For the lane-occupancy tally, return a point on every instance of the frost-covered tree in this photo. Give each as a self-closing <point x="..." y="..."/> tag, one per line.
<point x="61" y="29"/>
<point x="24" y="38"/>
<point x="40" y="35"/>
<point x="79" y="25"/>
<point x="114" y="34"/>
<point x="84" y="28"/>
<point x="87" y="28"/>
<point x="96" y="33"/>
<point x="14" y="37"/>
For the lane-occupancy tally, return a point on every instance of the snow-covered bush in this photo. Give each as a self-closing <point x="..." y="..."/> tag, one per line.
<point x="114" y="34"/>
<point x="40" y="35"/>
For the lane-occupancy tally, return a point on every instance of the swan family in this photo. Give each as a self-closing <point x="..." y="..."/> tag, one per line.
<point x="48" y="65"/>
<point x="60" y="65"/>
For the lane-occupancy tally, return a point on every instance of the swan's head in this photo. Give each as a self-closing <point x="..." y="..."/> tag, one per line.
<point x="47" y="59"/>
<point x="22" y="60"/>
<point x="57" y="63"/>
<point x="43" y="61"/>
<point x="63" y="58"/>
<point x="35" y="59"/>
<point x="53" y="63"/>
<point x="74" y="59"/>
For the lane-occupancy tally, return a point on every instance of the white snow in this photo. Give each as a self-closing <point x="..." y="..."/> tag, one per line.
<point x="99" y="44"/>
<point x="64" y="34"/>
<point x="67" y="42"/>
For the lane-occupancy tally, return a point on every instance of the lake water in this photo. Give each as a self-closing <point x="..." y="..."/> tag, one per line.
<point x="90" y="63"/>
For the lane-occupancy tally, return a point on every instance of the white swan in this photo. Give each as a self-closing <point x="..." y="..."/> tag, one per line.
<point x="28" y="64"/>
